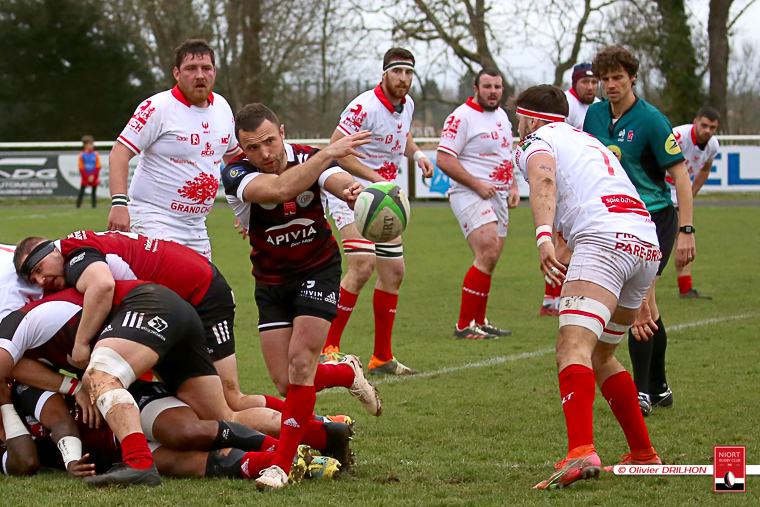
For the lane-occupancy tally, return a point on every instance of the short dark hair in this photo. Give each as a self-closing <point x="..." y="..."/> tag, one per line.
<point x="613" y="58"/>
<point x="195" y="47"/>
<point x="88" y="139"/>
<point x="397" y="54"/>
<point x="489" y="72"/>
<point x="708" y="112"/>
<point x="252" y="116"/>
<point x="23" y="248"/>
<point x="544" y="99"/>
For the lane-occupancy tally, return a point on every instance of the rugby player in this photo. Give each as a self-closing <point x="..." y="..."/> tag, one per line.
<point x="475" y="151"/>
<point x="642" y="139"/>
<point x="182" y="136"/>
<point x="387" y="112"/>
<point x="699" y="147"/>
<point x="274" y="189"/>
<point x="14" y="292"/>
<point x="577" y="185"/>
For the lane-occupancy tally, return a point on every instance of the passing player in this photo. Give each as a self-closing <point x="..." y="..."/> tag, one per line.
<point x="699" y="147"/>
<point x="579" y="187"/>
<point x="182" y="136"/>
<point x="642" y="139"/>
<point x="475" y="151"/>
<point x="274" y="189"/>
<point x="14" y="292"/>
<point x="387" y="112"/>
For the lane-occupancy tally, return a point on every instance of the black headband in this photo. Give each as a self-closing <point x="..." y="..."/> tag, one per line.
<point x="35" y="256"/>
<point x="399" y="63"/>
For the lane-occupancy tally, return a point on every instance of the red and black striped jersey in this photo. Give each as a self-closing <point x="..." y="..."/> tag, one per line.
<point x="287" y="239"/>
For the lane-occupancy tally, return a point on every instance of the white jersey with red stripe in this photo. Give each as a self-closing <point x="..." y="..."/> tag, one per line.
<point x="181" y="148"/>
<point x="577" y="109"/>
<point x="594" y="194"/>
<point x="373" y="111"/>
<point x="696" y="155"/>
<point x="482" y="142"/>
<point x="14" y="292"/>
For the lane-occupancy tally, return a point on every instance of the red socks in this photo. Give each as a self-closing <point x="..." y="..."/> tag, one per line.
<point x="623" y="398"/>
<point x="333" y="375"/>
<point x="384" y="304"/>
<point x="135" y="451"/>
<point x="315" y="436"/>
<point x="299" y="405"/>
<point x="577" y="388"/>
<point x="254" y="462"/>
<point x="684" y="284"/>
<point x="346" y="305"/>
<point x="474" y="297"/>
<point x="274" y="403"/>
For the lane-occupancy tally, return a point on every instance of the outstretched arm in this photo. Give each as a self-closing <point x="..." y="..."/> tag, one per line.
<point x="352" y="165"/>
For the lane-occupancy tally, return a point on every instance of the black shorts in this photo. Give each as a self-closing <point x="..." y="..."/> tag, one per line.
<point x="158" y="318"/>
<point x="217" y="312"/>
<point x="315" y="294"/>
<point x="666" y="221"/>
<point x="29" y="401"/>
<point x="145" y="392"/>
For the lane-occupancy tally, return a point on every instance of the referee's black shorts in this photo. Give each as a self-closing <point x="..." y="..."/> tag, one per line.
<point x="217" y="313"/>
<point x="666" y="221"/>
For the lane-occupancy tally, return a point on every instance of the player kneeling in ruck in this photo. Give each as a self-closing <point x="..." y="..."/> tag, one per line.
<point x="579" y="186"/>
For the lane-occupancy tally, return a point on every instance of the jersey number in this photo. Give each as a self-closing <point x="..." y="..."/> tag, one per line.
<point x="606" y="159"/>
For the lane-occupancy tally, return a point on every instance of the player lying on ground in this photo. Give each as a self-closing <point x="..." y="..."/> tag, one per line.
<point x="57" y="420"/>
<point x="275" y="191"/>
<point x="578" y="185"/>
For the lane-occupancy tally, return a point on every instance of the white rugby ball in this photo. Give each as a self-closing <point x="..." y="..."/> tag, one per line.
<point x="382" y="212"/>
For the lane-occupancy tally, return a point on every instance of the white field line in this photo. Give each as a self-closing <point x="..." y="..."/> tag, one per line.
<point x="528" y="355"/>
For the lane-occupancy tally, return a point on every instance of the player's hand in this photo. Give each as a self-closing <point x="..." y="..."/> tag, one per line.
<point x="242" y="230"/>
<point x="428" y="168"/>
<point x="485" y="190"/>
<point x="80" y="355"/>
<point x="643" y="327"/>
<point x="81" y="468"/>
<point x="90" y="178"/>
<point x="553" y="270"/>
<point x="351" y="193"/>
<point x="91" y="416"/>
<point x="514" y="197"/>
<point x="5" y="392"/>
<point x="686" y="249"/>
<point x="118" y="219"/>
<point x="347" y="145"/>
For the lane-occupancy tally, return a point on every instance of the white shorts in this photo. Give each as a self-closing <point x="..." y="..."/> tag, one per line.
<point x="155" y="225"/>
<point x="624" y="265"/>
<point x="338" y="209"/>
<point x="152" y="410"/>
<point x="472" y="211"/>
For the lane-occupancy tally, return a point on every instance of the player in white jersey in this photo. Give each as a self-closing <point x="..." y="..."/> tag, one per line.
<point x="578" y="185"/>
<point x="699" y="147"/>
<point x="475" y="151"/>
<point x="182" y="136"/>
<point x="14" y="292"/>
<point x="387" y="112"/>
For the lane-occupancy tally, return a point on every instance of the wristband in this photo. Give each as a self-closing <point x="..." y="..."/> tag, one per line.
<point x="118" y="200"/>
<point x="71" y="449"/>
<point x="418" y="155"/>
<point x="12" y="422"/>
<point x="70" y="386"/>
<point x="543" y="234"/>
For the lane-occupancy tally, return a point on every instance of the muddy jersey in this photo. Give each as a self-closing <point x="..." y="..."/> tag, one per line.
<point x="482" y="142"/>
<point x="14" y="292"/>
<point x="287" y="239"/>
<point x="373" y="111"/>
<point x="594" y="193"/>
<point x="181" y="148"/>
<point x="696" y="155"/>
<point x="134" y="257"/>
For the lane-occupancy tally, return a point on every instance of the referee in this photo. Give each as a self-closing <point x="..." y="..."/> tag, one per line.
<point x="642" y="138"/>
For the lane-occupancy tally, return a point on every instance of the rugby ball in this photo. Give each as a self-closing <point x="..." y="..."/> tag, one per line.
<point x="382" y="212"/>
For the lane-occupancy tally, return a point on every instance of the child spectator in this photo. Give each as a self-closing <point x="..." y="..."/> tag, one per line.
<point x="89" y="166"/>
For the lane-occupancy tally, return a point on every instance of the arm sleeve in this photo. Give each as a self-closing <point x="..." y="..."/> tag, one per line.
<point x="327" y="173"/>
<point x="233" y="144"/>
<point x="78" y="261"/>
<point x="354" y="118"/>
<point x="235" y="177"/>
<point x="143" y="129"/>
<point x="663" y="142"/>
<point x="454" y="135"/>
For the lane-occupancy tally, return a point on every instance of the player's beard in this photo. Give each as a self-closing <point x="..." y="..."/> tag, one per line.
<point x="587" y="100"/>
<point x="483" y="103"/>
<point x="398" y="91"/>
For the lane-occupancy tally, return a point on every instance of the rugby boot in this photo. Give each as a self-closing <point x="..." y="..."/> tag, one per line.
<point x="330" y="354"/>
<point x="392" y="367"/>
<point x="339" y="436"/>
<point x="548" y="311"/>
<point x="123" y="475"/>
<point x="647" y="457"/>
<point x="662" y="400"/>
<point x="472" y="332"/>
<point x="491" y="329"/>
<point x="273" y="477"/>
<point x="693" y="294"/>
<point x="301" y="463"/>
<point x="645" y="404"/>
<point x="361" y="388"/>
<point x="323" y="467"/>
<point x="571" y="470"/>
<point x="346" y="419"/>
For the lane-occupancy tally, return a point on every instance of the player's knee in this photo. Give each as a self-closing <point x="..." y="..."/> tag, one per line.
<point x="487" y="259"/>
<point x="361" y="268"/>
<point x="192" y="435"/>
<point x="23" y="464"/>
<point x="392" y="274"/>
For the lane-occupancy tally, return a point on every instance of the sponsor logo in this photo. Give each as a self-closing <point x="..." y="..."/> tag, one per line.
<point x="135" y="125"/>
<point x="22" y="174"/>
<point x="567" y="398"/>
<point x="290" y="208"/>
<point x="200" y="190"/>
<point x="181" y="138"/>
<point x="144" y="112"/>
<point x="158" y="324"/>
<point x="221" y="332"/>
<point x="621" y="136"/>
<point x="292" y="423"/>
<point x="20" y="388"/>
<point x="671" y="145"/>
<point x="195" y="139"/>
<point x="400" y="126"/>
<point x="388" y="171"/>
<point x="304" y="234"/>
<point x="389" y="139"/>
<point x="503" y="173"/>
<point x="396" y="147"/>
<point x="450" y="128"/>
<point x="380" y="139"/>
<point x="505" y="143"/>
<point x="208" y="152"/>
<point x="494" y="135"/>
<point x="305" y="199"/>
<point x="244" y="468"/>
<point x="76" y="259"/>
<point x="614" y="149"/>
<point x="356" y="118"/>
<point x="225" y="141"/>
<point x="729" y="469"/>
<point x="233" y="173"/>
<point x="182" y="161"/>
<point x="622" y="203"/>
<point x="204" y="124"/>
<point x="630" y="136"/>
<point x="108" y="328"/>
<point x="634" y="246"/>
<point x="133" y="319"/>
<point x="310" y="284"/>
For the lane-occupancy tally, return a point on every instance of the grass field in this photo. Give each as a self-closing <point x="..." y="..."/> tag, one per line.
<point x="484" y="422"/>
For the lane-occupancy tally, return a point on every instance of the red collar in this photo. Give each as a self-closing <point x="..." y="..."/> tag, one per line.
<point x="387" y="103"/>
<point x="181" y="96"/>
<point x="693" y="136"/>
<point x="470" y="102"/>
<point x="572" y="90"/>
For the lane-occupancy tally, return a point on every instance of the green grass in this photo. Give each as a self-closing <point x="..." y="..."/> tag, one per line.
<point x="482" y="435"/>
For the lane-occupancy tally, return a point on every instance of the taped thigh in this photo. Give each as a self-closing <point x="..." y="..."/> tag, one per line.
<point x="584" y="312"/>
<point x="152" y="410"/>
<point x="614" y="333"/>
<point x="109" y="361"/>
<point x="389" y="250"/>
<point x="358" y="247"/>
